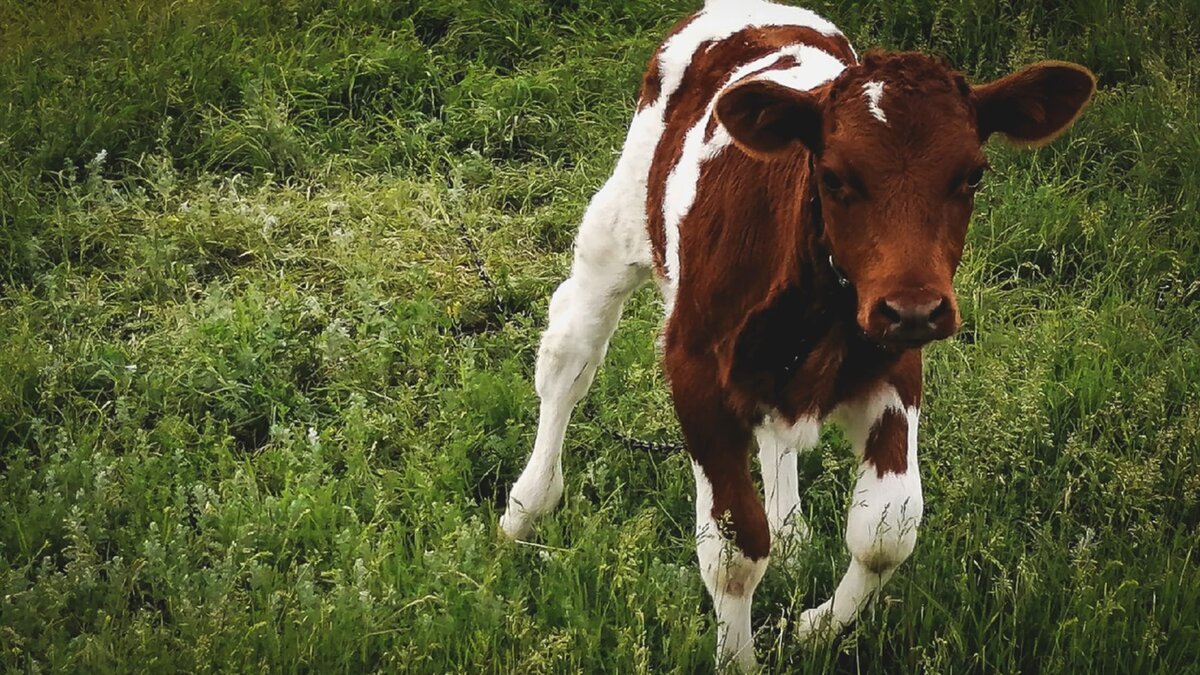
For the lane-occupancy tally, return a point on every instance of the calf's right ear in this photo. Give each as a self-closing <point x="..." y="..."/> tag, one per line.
<point x="768" y="120"/>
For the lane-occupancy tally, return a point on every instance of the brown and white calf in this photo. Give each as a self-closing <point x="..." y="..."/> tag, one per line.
<point x="803" y="213"/>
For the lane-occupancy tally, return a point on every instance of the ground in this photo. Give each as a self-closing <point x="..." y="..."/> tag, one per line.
<point x="272" y="281"/>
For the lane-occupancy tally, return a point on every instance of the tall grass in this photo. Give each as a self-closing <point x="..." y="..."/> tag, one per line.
<point x="261" y="401"/>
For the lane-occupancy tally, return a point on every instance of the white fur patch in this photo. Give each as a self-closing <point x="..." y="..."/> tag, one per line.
<point x="719" y="20"/>
<point x="886" y="509"/>
<point x="803" y="434"/>
<point x="779" y="444"/>
<point x="873" y="91"/>
<point x="858" y="417"/>
<point x="881" y="526"/>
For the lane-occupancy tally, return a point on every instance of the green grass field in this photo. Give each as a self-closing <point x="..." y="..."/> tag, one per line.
<point x="273" y="276"/>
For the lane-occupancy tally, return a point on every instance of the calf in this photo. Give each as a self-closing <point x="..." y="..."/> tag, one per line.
<point x="803" y="213"/>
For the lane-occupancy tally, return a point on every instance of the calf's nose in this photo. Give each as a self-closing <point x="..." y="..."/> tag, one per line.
<point x="913" y="313"/>
<point x="914" y="317"/>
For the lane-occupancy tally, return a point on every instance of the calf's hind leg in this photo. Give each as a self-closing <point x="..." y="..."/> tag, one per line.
<point x="779" y="445"/>
<point x="609" y="265"/>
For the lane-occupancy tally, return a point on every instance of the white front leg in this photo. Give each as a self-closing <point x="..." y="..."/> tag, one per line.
<point x="881" y="525"/>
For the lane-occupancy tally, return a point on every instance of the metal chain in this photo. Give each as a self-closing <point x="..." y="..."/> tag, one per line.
<point x="476" y="257"/>
<point x="643" y="445"/>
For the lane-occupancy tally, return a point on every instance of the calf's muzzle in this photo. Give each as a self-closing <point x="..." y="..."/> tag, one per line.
<point x="912" y="318"/>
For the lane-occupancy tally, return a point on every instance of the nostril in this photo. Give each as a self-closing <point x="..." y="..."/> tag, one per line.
<point x="890" y="311"/>
<point x="941" y="310"/>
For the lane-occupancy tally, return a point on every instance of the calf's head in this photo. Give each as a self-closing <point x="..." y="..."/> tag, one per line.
<point x="895" y="146"/>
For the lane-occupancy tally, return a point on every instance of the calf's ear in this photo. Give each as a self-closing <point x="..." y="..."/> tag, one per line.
<point x="767" y="119"/>
<point x="1034" y="105"/>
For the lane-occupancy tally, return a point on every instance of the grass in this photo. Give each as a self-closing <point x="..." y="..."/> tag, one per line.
<point x="262" y="399"/>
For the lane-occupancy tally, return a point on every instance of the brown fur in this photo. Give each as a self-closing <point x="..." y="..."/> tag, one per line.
<point x="887" y="446"/>
<point x="1034" y="120"/>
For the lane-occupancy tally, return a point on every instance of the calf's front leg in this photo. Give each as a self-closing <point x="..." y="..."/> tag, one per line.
<point x="885" y="511"/>
<point x="732" y="536"/>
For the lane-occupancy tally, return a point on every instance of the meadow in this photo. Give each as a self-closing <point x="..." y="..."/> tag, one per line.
<point x="272" y="277"/>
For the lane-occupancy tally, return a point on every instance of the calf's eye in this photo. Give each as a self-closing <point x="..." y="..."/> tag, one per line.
<point x="831" y="181"/>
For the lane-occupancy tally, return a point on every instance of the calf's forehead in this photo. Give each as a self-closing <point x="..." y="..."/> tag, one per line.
<point x="872" y="126"/>
<point x="905" y="98"/>
<point x="875" y="106"/>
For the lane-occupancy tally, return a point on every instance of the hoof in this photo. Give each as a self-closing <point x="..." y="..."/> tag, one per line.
<point x="516" y="527"/>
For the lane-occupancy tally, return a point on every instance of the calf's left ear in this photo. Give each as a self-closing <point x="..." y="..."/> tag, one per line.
<point x="1034" y="105"/>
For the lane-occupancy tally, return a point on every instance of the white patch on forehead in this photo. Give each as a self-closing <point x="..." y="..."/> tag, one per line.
<point x="873" y="90"/>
